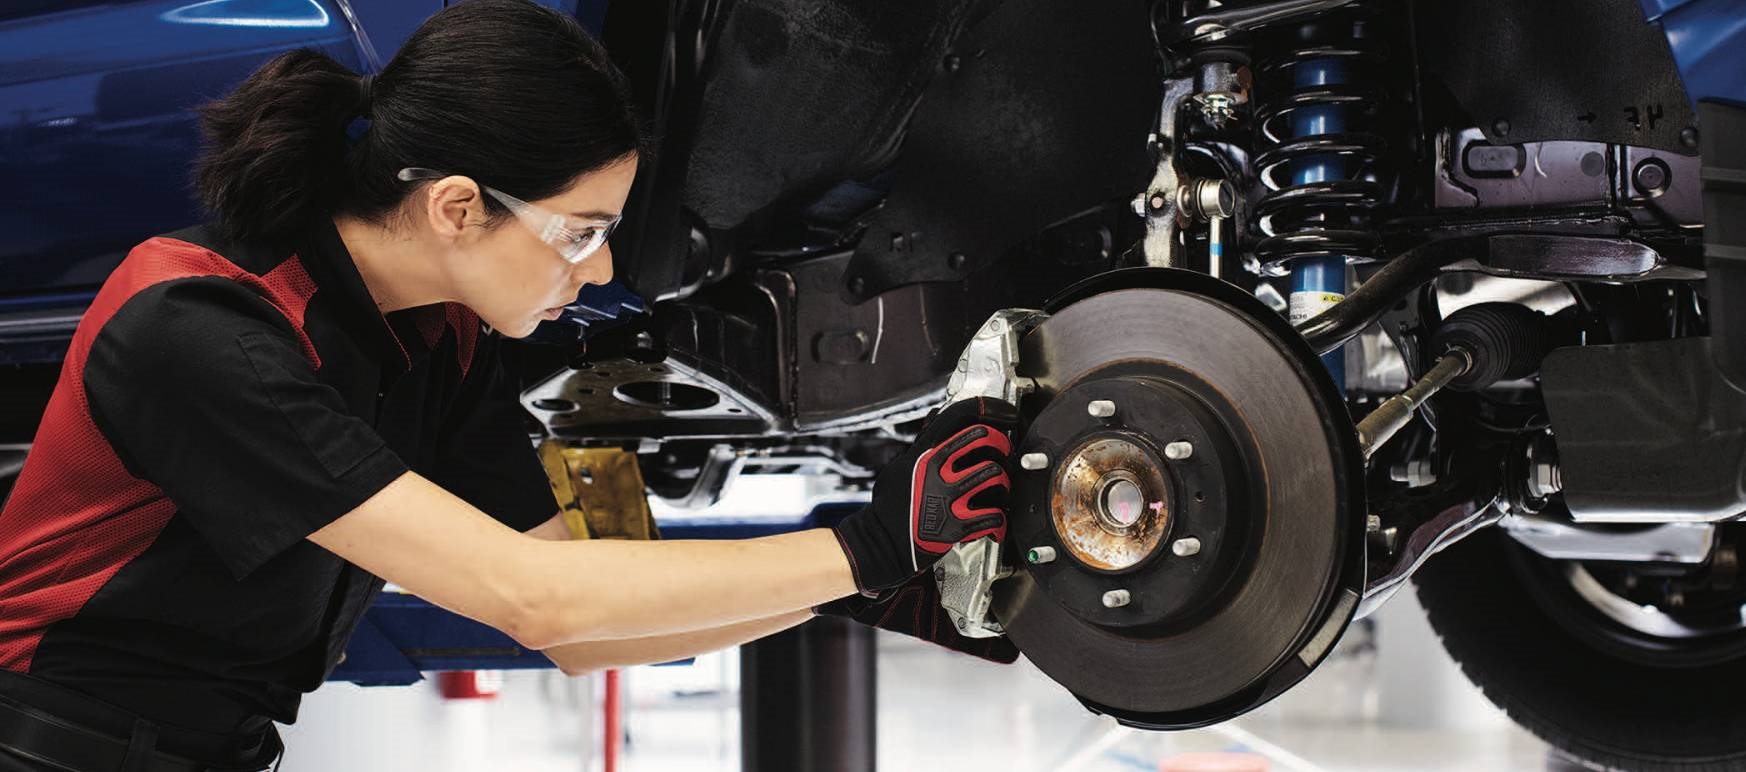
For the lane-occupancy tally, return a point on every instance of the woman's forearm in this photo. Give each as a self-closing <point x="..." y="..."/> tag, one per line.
<point x="588" y="656"/>
<point x="547" y="593"/>
<point x="607" y="590"/>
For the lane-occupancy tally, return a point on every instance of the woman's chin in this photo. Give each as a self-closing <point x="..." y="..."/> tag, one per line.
<point x="518" y="329"/>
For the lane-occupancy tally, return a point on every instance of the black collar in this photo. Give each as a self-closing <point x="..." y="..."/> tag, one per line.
<point x="393" y="339"/>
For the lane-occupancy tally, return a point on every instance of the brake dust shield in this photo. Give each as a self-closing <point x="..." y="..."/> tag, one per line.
<point x="1202" y="507"/>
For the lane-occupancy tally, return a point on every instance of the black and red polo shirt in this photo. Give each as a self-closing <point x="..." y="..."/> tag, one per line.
<point x="219" y="403"/>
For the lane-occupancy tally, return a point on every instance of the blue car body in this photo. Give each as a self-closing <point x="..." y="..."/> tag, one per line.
<point x="97" y="134"/>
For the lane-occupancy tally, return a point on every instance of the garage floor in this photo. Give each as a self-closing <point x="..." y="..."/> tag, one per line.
<point x="1389" y="700"/>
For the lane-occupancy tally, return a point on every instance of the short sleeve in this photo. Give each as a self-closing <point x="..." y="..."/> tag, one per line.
<point x="203" y="389"/>
<point x="484" y="453"/>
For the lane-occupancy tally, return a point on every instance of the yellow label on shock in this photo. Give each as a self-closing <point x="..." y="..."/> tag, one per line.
<point x="1305" y="305"/>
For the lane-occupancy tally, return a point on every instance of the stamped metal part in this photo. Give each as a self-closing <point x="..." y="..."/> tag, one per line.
<point x="1160" y="204"/>
<point x="1689" y="543"/>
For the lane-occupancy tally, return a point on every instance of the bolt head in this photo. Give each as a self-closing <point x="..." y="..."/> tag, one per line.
<point x="1101" y="408"/>
<point x="1116" y="599"/>
<point x="1544" y="480"/>
<point x="1181" y="450"/>
<point x="1185" y="547"/>
<point x="1032" y="462"/>
<point x="1650" y="177"/>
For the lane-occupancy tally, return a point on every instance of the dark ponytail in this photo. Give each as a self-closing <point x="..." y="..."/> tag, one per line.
<point x="276" y="145"/>
<point x="517" y="96"/>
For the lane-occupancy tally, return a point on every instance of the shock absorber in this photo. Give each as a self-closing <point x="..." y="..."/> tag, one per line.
<point x="1319" y="161"/>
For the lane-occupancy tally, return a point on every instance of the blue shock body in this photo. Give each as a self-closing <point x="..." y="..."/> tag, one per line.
<point x="1319" y="282"/>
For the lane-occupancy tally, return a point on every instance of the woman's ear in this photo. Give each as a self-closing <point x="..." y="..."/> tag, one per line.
<point x="448" y="204"/>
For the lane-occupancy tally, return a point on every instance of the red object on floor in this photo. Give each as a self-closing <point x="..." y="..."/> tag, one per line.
<point x="609" y="707"/>
<point x="468" y="685"/>
<point x="1215" y="762"/>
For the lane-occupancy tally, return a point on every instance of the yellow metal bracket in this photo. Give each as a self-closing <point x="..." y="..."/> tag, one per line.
<point x="599" y="491"/>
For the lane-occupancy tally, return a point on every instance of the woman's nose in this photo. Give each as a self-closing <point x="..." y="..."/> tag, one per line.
<point x="597" y="269"/>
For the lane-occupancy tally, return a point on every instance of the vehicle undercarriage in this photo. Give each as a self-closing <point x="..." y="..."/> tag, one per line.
<point x="1293" y="296"/>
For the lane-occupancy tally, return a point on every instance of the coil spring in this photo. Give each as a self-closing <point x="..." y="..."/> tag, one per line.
<point x="1331" y="216"/>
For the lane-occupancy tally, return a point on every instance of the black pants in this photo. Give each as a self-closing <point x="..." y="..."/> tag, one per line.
<point x="47" y="728"/>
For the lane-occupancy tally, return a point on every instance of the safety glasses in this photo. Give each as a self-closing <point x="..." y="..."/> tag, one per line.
<point x="574" y="243"/>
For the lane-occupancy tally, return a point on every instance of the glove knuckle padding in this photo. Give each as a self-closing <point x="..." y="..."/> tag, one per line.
<point x="950" y="487"/>
<point x="962" y="504"/>
<point x="977" y="443"/>
<point x="975" y="478"/>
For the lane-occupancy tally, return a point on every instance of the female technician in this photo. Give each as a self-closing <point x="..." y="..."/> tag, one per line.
<point x="260" y="420"/>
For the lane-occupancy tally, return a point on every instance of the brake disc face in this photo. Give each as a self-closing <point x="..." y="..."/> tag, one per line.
<point x="1194" y="544"/>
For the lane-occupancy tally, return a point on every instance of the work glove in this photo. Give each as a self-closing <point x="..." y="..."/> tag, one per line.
<point x="950" y="486"/>
<point x="913" y="608"/>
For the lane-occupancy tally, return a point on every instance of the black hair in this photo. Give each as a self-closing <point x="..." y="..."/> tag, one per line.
<point x="517" y="96"/>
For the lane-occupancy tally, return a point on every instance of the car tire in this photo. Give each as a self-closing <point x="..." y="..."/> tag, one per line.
<point x="1495" y="607"/>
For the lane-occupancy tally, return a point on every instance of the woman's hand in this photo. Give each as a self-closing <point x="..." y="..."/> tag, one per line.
<point x="950" y="487"/>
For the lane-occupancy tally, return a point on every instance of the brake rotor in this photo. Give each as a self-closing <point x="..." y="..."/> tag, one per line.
<point x="1195" y="545"/>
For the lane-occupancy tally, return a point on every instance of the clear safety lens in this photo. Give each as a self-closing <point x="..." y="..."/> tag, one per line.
<point x="574" y="242"/>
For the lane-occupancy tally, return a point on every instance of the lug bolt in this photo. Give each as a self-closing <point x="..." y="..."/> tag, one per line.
<point x="1032" y="462"/>
<point x="1180" y="450"/>
<point x="1115" y="599"/>
<point x="1041" y="555"/>
<point x="1186" y="547"/>
<point x="1100" y="408"/>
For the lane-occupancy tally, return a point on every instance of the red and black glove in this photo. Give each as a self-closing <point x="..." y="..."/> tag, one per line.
<point x="951" y="486"/>
<point x="913" y="608"/>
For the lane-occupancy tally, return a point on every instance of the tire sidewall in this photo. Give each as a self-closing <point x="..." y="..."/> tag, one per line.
<point x="1604" y="709"/>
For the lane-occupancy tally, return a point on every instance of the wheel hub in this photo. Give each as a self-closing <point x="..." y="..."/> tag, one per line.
<point x="1111" y="504"/>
